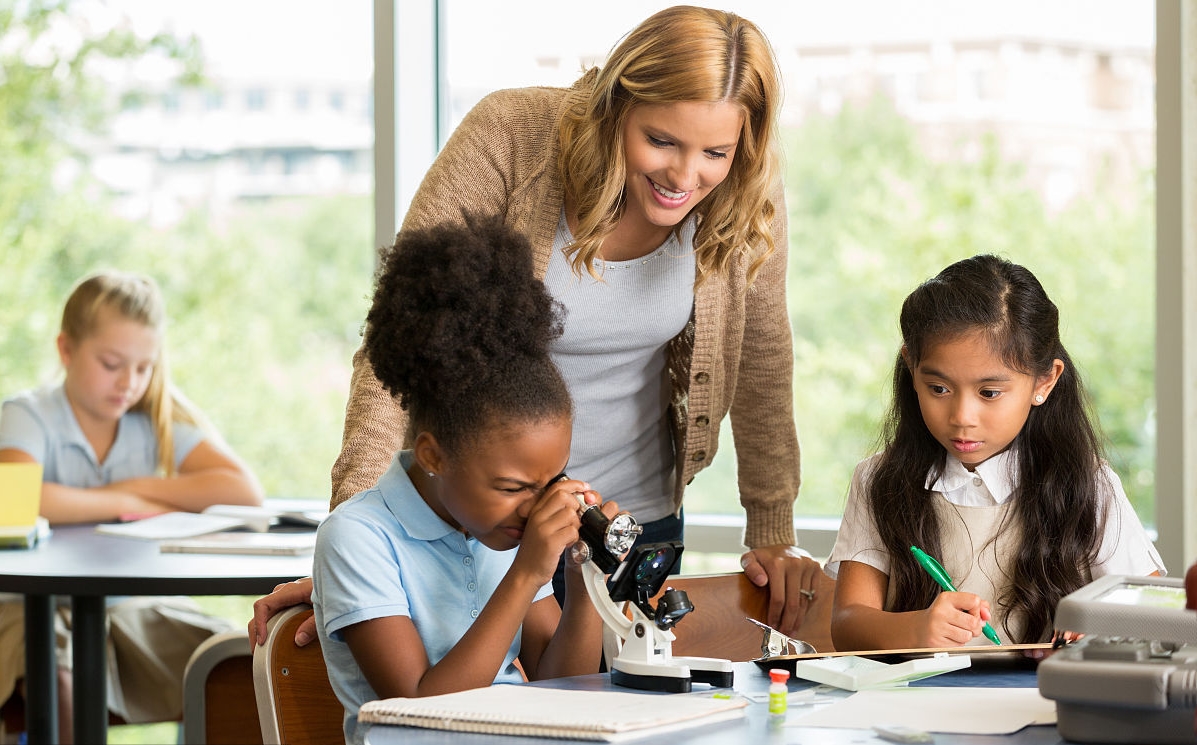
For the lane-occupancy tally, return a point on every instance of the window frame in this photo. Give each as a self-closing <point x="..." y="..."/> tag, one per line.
<point x="1176" y="286"/>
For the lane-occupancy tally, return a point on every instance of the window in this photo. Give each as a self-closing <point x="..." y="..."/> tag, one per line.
<point x="254" y="217"/>
<point x="214" y="100"/>
<point x="909" y="145"/>
<point x="1026" y="135"/>
<point x="255" y="99"/>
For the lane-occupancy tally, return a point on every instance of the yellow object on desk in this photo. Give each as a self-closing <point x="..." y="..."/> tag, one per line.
<point x="20" y="493"/>
<point x="20" y="500"/>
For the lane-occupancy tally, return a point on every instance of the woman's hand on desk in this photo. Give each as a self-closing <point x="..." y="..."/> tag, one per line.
<point x="283" y="597"/>
<point x="792" y="577"/>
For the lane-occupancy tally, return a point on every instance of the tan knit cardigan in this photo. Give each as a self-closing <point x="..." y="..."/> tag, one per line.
<point x="736" y="352"/>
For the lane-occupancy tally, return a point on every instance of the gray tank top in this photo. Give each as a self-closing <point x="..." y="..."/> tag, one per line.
<point x="612" y="356"/>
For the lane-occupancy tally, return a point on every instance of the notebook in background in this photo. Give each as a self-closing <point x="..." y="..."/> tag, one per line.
<point x="20" y="499"/>
<point x="171" y="525"/>
<point x="260" y="544"/>
<point x="220" y="517"/>
<point x="276" y="512"/>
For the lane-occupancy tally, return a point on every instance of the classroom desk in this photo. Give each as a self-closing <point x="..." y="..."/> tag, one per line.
<point x="755" y="728"/>
<point x="78" y="562"/>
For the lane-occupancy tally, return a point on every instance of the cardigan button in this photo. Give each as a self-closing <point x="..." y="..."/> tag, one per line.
<point x="702" y="421"/>
<point x="702" y="377"/>
<point x="698" y="455"/>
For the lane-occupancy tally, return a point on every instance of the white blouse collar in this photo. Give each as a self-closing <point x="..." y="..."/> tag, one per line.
<point x="998" y="475"/>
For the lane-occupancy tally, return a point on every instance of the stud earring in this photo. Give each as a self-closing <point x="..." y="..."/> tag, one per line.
<point x="432" y="475"/>
<point x="1038" y="398"/>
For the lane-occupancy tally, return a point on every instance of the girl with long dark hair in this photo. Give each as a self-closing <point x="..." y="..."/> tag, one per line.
<point x="990" y="462"/>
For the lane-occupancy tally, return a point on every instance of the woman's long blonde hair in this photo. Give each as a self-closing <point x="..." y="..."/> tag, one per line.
<point x="138" y="299"/>
<point x="681" y="54"/>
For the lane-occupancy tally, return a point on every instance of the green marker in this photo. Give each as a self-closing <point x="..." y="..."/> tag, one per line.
<point x="940" y="575"/>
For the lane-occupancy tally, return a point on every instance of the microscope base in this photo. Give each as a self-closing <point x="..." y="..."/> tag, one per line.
<point x="716" y="678"/>
<point x="662" y="683"/>
<point x="711" y="670"/>
<point x="674" y="677"/>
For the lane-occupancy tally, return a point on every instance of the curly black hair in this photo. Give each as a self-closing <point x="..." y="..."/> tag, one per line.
<point x="459" y="331"/>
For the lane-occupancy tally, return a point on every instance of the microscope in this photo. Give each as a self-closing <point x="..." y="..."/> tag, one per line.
<point x="639" y="648"/>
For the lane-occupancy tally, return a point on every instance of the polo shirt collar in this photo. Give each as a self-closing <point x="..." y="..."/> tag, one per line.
<point x="997" y="473"/>
<point x="406" y="504"/>
<point x="63" y="417"/>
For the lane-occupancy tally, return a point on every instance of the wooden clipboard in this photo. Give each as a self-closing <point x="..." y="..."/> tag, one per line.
<point x="1005" y="652"/>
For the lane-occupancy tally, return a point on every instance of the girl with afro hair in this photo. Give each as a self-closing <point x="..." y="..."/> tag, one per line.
<point x="438" y="578"/>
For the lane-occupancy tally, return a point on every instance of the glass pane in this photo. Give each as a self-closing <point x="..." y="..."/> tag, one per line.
<point x="245" y="191"/>
<point x="917" y="134"/>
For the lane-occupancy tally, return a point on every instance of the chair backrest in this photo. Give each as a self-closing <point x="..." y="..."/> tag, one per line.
<point x="218" y="693"/>
<point x="716" y="627"/>
<point x="296" y="702"/>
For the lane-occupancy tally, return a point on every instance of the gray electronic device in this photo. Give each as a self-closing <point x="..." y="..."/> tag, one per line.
<point x="1132" y="677"/>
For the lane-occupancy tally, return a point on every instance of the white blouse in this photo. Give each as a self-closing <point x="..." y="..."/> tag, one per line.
<point x="1125" y="546"/>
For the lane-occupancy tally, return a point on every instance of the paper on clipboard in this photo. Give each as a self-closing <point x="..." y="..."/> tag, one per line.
<point x="965" y="711"/>
<point x="853" y="673"/>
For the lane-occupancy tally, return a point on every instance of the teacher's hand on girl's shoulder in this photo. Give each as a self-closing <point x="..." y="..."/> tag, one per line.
<point x="284" y="596"/>
<point x="792" y="577"/>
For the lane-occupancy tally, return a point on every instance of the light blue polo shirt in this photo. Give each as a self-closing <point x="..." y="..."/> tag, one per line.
<point x="41" y="423"/>
<point x="384" y="552"/>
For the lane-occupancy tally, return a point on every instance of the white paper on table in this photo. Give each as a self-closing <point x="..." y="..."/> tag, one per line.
<point x="971" y="711"/>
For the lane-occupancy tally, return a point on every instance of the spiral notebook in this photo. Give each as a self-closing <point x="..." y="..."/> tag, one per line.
<point x="531" y="711"/>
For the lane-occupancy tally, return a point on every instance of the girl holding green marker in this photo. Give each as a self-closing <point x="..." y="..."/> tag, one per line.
<point x="992" y="465"/>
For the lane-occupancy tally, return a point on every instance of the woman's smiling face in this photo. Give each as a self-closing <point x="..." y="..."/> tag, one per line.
<point x="676" y="154"/>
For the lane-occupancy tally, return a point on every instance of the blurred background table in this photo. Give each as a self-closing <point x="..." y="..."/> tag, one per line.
<point x="87" y="566"/>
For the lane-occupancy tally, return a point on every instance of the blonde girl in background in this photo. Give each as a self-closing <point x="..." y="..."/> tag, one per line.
<point x="114" y="439"/>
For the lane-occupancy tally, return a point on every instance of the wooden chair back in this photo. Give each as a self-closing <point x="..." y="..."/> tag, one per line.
<point x="218" y="693"/>
<point x="716" y="627"/>
<point x="296" y="703"/>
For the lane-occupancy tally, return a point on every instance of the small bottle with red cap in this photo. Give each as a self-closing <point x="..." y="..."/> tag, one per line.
<point x="778" y="692"/>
